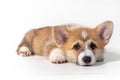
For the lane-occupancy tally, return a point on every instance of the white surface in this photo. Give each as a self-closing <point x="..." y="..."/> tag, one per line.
<point x="19" y="16"/>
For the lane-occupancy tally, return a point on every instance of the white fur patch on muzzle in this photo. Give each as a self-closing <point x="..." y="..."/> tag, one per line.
<point x="86" y="57"/>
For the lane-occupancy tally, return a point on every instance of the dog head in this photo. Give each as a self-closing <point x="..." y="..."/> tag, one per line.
<point x="81" y="45"/>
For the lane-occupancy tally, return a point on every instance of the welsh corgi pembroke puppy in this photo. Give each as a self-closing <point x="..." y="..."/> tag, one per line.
<point x="80" y="45"/>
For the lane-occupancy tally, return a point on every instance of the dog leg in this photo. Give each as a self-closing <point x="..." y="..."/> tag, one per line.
<point x="100" y="60"/>
<point x="25" y="47"/>
<point x="24" y="51"/>
<point x="57" y="56"/>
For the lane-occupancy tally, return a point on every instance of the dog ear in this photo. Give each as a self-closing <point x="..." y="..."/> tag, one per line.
<point x="105" y="30"/>
<point x="60" y="35"/>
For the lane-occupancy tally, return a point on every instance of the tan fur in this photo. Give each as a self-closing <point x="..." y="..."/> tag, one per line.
<point x="42" y="41"/>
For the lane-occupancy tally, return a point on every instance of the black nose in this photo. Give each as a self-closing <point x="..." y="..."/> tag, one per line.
<point x="87" y="59"/>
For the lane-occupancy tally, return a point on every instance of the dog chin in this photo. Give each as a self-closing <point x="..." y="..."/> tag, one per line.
<point x="81" y="63"/>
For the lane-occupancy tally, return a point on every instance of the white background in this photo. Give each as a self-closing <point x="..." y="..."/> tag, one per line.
<point x="19" y="16"/>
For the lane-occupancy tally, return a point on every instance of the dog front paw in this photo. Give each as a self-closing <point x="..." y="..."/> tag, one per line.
<point x="24" y="51"/>
<point x="100" y="60"/>
<point x="57" y="56"/>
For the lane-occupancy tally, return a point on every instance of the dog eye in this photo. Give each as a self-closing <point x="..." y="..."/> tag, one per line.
<point x="93" y="46"/>
<point x="76" y="46"/>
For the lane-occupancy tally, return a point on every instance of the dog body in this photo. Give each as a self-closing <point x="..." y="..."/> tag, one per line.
<point x="81" y="45"/>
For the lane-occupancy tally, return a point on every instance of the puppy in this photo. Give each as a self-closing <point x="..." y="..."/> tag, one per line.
<point x="80" y="45"/>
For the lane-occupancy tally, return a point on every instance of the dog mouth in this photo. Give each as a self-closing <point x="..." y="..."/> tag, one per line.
<point x="85" y="62"/>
